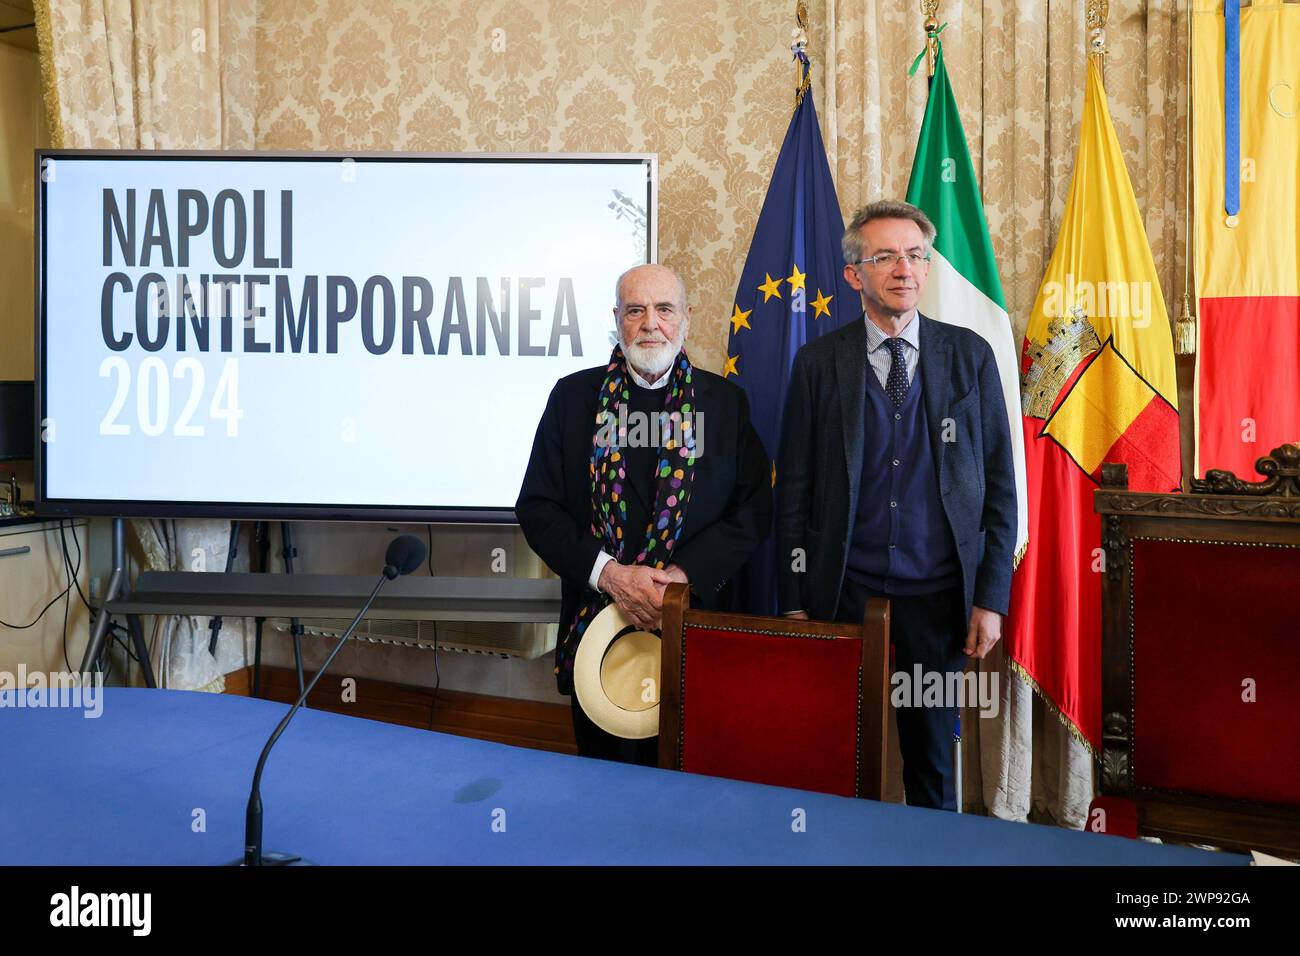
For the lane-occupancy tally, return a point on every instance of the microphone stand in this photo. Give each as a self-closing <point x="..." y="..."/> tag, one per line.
<point x="253" y="855"/>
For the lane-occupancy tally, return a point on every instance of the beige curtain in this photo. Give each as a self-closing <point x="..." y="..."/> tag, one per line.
<point x="1018" y="72"/>
<point x="150" y="75"/>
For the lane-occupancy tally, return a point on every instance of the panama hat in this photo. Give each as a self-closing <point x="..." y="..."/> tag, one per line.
<point x="616" y="676"/>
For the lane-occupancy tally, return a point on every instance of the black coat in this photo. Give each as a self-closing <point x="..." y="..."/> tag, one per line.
<point x="730" y="509"/>
<point x="819" y="468"/>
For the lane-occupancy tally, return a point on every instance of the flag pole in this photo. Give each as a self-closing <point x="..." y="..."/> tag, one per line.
<point x="931" y="10"/>
<point x="1097" y="12"/>
<point x="1185" y="327"/>
<point x="799" y="42"/>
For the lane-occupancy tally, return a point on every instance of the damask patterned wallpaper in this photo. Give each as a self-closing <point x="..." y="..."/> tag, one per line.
<point x="706" y="84"/>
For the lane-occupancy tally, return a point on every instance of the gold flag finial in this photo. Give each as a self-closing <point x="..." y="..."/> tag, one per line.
<point x="798" y="45"/>
<point x="931" y="10"/>
<point x="1097" y="13"/>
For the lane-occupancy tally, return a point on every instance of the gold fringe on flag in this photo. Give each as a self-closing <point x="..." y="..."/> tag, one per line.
<point x="804" y="86"/>
<point x="1015" y="667"/>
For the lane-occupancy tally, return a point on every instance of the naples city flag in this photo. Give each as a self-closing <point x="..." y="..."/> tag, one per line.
<point x="1098" y="387"/>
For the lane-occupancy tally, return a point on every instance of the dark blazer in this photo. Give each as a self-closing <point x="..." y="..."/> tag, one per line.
<point x="819" y="468"/>
<point x="730" y="510"/>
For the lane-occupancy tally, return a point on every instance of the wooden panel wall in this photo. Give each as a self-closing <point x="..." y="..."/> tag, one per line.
<point x="522" y="723"/>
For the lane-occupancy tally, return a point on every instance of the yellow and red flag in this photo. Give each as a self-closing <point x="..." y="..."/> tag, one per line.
<point x="1098" y="386"/>
<point x="1246" y="122"/>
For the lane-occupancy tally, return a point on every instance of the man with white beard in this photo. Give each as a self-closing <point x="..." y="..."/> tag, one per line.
<point x="619" y="510"/>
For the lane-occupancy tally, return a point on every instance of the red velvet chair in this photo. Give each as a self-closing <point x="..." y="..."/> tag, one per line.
<point x="774" y="700"/>
<point x="1200" y="660"/>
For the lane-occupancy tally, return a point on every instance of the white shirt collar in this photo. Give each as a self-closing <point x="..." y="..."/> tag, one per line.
<point x="910" y="334"/>
<point x="658" y="383"/>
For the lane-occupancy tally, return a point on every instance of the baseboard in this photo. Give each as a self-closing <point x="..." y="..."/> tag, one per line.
<point x="521" y="723"/>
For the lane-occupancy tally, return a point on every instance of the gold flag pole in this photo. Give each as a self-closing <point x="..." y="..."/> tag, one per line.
<point x="799" y="41"/>
<point x="1185" y="327"/>
<point x="1097" y="12"/>
<point x="931" y="10"/>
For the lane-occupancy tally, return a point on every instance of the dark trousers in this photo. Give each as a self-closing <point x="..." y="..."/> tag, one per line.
<point x="929" y="630"/>
<point x="594" y="742"/>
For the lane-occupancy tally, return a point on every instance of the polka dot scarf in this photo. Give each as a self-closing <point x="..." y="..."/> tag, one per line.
<point x="674" y="473"/>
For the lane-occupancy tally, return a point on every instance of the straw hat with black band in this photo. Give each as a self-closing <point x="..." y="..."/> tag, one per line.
<point x="616" y="676"/>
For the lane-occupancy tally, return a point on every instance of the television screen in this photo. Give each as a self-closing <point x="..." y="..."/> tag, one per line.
<point x="318" y="336"/>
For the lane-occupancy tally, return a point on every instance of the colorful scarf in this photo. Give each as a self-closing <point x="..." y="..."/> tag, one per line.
<point x="674" y="473"/>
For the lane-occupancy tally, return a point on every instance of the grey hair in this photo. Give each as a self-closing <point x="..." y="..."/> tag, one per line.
<point x="618" y="286"/>
<point x="851" y="244"/>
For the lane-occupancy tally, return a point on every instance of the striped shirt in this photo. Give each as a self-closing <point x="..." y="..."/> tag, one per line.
<point x="878" y="356"/>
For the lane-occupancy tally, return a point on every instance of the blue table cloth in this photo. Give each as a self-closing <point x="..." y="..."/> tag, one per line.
<point x="162" y="777"/>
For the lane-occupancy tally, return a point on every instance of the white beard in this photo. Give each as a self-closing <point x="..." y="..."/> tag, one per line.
<point x="655" y="359"/>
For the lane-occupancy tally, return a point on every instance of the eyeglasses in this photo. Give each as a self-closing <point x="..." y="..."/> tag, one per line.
<point x="887" y="260"/>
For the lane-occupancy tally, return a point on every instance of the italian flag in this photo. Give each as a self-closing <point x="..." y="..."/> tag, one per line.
<point x="963" y="287"/>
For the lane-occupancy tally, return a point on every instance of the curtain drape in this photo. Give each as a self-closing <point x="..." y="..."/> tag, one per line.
<point x="136" y="74"/>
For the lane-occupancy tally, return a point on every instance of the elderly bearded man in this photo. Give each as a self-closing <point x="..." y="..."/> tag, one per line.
<point x="620" y="516"/>
<point x="895" y="479"/>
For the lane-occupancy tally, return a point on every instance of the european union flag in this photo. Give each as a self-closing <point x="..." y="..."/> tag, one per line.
<point x="791" y="291"/>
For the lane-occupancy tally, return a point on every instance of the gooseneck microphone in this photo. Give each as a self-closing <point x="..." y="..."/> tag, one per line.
<point x="404" y="555"/>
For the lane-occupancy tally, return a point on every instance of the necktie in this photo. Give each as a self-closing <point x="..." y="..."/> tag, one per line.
<point x="896" y="382"/>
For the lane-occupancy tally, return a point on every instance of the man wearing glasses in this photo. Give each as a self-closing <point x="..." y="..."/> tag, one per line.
<point x="894" y="479"/>
<point x="620" y="509"/>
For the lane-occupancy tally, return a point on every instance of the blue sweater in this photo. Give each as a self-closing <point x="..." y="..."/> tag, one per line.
<point x="901" y="541"/>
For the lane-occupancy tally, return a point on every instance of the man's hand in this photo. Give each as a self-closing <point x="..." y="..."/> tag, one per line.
<point x="675" y="572"/>
<point x="637" y="590"/>
<point x="796" y="615"/>
<point x="985" y="631"/>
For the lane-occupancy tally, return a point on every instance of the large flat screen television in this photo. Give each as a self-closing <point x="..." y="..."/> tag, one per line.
<point x="317" y="336"/>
